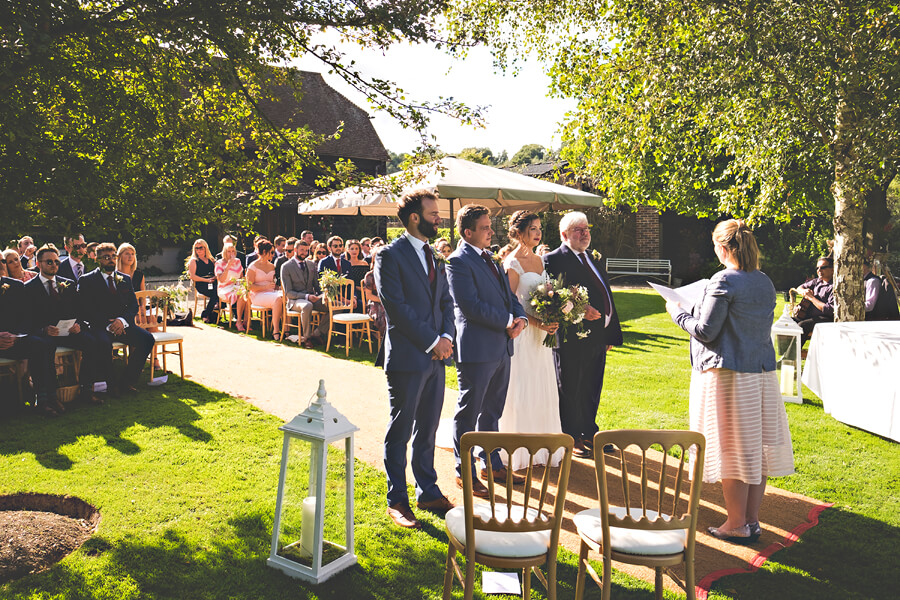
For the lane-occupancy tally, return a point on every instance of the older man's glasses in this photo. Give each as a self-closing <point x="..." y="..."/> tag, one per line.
<point x="580" y="230"/>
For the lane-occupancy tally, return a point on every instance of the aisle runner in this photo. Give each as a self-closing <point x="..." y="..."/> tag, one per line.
<point x="280" y="379"/>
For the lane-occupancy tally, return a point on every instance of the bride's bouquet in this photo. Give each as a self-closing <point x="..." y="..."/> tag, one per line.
<point x="553" y="302"/>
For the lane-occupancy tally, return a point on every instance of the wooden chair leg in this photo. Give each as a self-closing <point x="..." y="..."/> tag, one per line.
<point x="330" y="331"/>
<point x="526" y="583"/>
<point x="579" y="581"/>
<point x="448" y="572"/>
<point x="658" y="583"/>
<point x="152" y="361"/>
<point x="181" y="358"/>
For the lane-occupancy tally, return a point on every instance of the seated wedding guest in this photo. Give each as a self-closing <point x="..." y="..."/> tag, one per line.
<point x="72" y="267"/>
<point x="107" y="303"/>
<point x="307" y="236"/>
<point x="3" y="272"/>
<point x="126" y="262"/>
<point x="335" y="261"/>
<point x="872" y="283"/>
<point x="27" y="249"/>
<point x="90" y="256"/>
<point x="15" y="344"/>
<point x="881" y="300"/>
<point x="261" y="277"/>
<point x="299" y="281"/>
<point x="14" y="267"/>
<point x="376" y="242"/>
<point x="443" y="246"/>
<point x="735" y="400"/>
<point x="50" y="299"/>
<point x="817" y="302"/>
<point x="230" y="239"/>
<point x="289" y="246"/>
<point x="280" y="241"/>
<point x="228" y="272"/>
<point x="366" y="244"/>
<point x="374" y="307"/>
<point x="358" y="267"/>
<point x="201" y="269"/>
<point x="253" y="256"/>
<point x="317" y="251"/>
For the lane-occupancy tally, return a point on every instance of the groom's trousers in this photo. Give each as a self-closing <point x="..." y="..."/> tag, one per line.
<point x="482" y="396"/>
<point x="416" y="399"/>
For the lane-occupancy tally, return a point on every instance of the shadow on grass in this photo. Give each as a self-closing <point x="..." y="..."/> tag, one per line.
<point x="634" y="305"/>
<point x="169" y="405"/>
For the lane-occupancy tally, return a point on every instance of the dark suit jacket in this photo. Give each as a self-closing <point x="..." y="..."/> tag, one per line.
<point x="416" y="316"/>
<point x="12" y="305"/>
<point x="43" y="310"/>
<point x="329" y="263"/>
<point x="482" y="306"/>
<point x="97" y="305"/>
<point x="66" y="271"/>
<point x="563" y="262"/>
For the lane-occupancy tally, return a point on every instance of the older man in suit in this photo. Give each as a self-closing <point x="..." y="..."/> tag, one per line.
<point x="108" y="304"/>
<point x="488" y="318"/>
<point x="413" y="289"/>
<point x="299" y="280"/>
<point x="50" y="299"/>
<point x="581" y="362"/>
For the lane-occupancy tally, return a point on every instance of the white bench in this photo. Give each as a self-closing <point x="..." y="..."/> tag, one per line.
<point x="657" y="268"/>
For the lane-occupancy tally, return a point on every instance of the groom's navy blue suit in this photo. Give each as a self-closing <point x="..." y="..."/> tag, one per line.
<point x="418" y="313"/>
<point x="483" y="303"/>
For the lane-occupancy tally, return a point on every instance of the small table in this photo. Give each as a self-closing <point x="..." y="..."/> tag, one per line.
<point x="855" y="369"/>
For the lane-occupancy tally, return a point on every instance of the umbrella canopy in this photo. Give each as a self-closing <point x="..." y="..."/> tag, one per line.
<point x="457" y="182"/>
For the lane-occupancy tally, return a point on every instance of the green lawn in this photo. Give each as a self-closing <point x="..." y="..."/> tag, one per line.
<point x="185" y="479"/>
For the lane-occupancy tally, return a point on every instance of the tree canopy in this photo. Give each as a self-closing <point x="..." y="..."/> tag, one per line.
<point x="139" y="119"/>
<point x="755" y="109"/>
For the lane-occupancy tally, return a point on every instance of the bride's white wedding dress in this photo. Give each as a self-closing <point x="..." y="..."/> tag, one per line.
<point x="532" y="402"/>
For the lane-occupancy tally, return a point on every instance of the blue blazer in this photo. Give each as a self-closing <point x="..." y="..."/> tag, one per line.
<point x="482" y="306"/>
<point x="12" y="305"/>
<point x="415" y="315"/>
<point x="98" y="306"/>
<point x="329" y="263"/>
<point x="66" y="271"/>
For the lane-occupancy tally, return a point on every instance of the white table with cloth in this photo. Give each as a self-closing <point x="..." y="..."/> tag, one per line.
<point x="855" y="369"/>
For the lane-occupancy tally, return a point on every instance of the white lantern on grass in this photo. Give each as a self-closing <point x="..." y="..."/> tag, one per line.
<point x="312" y="536"/>
<point x="788" y="337"/>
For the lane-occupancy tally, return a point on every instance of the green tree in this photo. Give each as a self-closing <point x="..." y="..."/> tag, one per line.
<point x="529" y="153"/>
<point x="482" y="156"/>
<point x="751" y="108"/>
<point x="139" y="120"/>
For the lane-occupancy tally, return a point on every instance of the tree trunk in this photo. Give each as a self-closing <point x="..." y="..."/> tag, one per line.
<point x="849" y="214"/>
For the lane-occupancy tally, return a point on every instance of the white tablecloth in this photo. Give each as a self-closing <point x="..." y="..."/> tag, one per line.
<point x="855" y="369"/>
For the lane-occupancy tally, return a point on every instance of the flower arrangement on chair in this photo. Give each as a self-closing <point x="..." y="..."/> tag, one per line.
<point x="330" y="283"/>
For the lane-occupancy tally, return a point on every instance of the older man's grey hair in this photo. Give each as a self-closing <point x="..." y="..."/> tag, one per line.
<point x="572" y="218"/>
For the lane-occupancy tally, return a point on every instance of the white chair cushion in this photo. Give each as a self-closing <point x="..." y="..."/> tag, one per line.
<point x="351" y="318"/>
<point x="631" y="541"/>
<point x="166" y="337"/>
<point x="7" y="361"/>
<point x="64" y="350"/>
<point x="499" y="543"/>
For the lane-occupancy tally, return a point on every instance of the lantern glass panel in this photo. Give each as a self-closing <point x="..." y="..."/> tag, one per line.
<point x="787" y="357"/>
<point x="296" y="490"/>
<point x="335" y="530"/>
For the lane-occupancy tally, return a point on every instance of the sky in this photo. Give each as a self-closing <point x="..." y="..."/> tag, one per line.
<point x="519" y="110"/>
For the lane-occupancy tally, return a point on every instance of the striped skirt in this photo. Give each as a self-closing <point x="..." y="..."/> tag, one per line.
<point x="743" y="418"/>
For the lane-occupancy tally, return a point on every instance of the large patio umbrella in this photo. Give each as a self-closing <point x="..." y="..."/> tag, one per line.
<point x="457" y="182"/>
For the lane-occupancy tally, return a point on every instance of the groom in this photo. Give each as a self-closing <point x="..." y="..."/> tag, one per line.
<point x="580" y="362"/>
<point x="412" y="286"/>
<point x="488" y="318"/>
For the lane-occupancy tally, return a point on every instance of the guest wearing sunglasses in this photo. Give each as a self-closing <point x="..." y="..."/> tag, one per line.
<point x="201" y="269"/>
<point x="817" y="304"/>
<point x="72" y="266"/>
<point x="48" y="300"/>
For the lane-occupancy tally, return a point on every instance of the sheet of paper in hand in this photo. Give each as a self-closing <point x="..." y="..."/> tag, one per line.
<point x="64" y="326"/>
<point x="687" y="295"/>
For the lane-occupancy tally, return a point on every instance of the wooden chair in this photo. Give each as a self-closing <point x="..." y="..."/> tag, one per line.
<point x="287" y="323"/>
<point x="68" y="392"/>
<point x="196" y="297"/>
<point x="515" y="529"/>
<point x="657" y="525"/>
<point x="224" y="313"/>
<point x="340" y="310"/>
<point x="10" y="367"/>
<point x="162" y="340"/>
<point x="261" y="314"/>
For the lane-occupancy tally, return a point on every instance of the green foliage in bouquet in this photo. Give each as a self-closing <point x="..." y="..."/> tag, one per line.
<point x="554" y="302"/>
<point x="330" y="283"/>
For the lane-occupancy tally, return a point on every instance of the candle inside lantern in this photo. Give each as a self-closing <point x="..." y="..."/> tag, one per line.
<point x="307" y="526"/>
<point x="787" y="379"/>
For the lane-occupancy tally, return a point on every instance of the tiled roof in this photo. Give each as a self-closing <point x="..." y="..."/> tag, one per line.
<point x="322" y="109"/>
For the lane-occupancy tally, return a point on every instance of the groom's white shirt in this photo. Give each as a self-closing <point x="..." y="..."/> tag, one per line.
<point x="417" y="245"/>
<point x="479" y="251"/>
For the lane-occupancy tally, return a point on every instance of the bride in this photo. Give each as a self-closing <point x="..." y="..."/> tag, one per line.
<point x="532" y="402"/>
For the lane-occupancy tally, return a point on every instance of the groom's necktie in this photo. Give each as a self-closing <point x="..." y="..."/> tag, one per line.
<point x="429" y="260"/>
<point x="598" y="283"/>
<point x="487" y="258"/>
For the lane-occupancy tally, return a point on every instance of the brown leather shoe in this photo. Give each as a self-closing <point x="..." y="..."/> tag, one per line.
<point x="500" y="476"/>
<point x="439" y="505"/>
<point x="581" y="452"/>
<point x="402" y="516"/>
<point x="479" y="490"/>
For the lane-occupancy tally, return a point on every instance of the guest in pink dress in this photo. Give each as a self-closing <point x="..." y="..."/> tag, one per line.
<point x="261" y="276"/>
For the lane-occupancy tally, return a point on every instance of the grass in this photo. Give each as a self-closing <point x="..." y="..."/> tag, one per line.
<point x="185" y="478"/>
